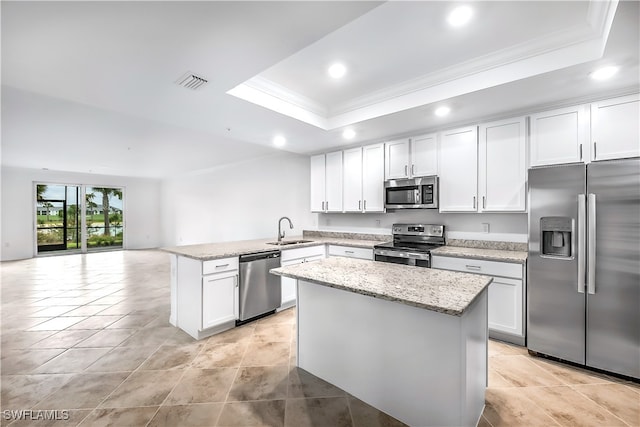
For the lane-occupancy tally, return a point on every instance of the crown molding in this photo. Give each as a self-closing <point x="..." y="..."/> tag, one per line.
<point x="557" y="50"/>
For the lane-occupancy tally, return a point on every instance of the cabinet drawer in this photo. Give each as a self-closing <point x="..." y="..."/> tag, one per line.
<point x="306" y="252"/>
<point x="492" y="268"/>
<point x="219" y="265"/>
<point x="350" y="252"/>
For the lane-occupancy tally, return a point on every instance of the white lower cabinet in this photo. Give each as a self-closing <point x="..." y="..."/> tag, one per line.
<point x="351" y="252"/>
<point x="206" y="295"/>
<point x="506" y="315"/>
<point x="219" y="299"/>
<point x="293" y="257"/>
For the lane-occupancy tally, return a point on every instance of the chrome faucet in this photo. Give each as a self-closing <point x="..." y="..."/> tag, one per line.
<point x="281" y="233"/>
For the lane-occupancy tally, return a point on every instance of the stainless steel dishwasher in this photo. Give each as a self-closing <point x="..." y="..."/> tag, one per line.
<point x="260" y="292"/>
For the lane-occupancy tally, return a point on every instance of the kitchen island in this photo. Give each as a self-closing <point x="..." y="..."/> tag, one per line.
<point x="409" y="341"/>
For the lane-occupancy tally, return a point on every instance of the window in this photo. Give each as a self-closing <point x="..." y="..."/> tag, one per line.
<point x="78" y="218"/>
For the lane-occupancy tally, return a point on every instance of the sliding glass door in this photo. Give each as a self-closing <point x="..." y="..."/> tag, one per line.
<point x="104" y="217"/>
<point x="57" y="218"/>
<point x="78" y="218"/>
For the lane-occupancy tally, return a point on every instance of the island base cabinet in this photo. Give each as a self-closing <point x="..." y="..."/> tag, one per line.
<point x="422" y="367"/>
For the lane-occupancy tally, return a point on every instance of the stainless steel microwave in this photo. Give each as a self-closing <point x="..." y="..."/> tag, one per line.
<point x="414" y="193"/>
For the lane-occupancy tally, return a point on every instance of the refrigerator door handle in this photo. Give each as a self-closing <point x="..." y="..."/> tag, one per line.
<point x="591" y="257"/>
<point x="582" y="225"/>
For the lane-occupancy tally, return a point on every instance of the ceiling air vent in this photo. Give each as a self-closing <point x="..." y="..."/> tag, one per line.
<point x="191" y="81"/>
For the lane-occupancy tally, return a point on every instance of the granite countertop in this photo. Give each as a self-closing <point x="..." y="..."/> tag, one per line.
<point x="209" y="251"/>
<point x="499" y="255"/>
<point x="442" y="291"/>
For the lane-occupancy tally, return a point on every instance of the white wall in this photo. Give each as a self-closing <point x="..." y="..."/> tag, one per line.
<point x="239" y="201"/>
<point x="141" y="206"/>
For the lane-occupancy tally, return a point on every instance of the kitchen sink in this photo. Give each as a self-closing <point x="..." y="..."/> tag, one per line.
<point x="289" y="242"/>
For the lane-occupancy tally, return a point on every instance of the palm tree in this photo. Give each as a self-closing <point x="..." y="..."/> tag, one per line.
<point x="40" y="190"/>
<point x="47" y="206"/>
<point x="106" y="192"/>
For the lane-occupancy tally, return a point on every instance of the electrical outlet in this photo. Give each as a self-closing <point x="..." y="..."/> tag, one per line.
<point x="377" y="223"/>
<point x="485" y="227"/>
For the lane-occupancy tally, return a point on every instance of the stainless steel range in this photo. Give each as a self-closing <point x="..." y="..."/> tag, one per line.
<point x="411" y="245"/>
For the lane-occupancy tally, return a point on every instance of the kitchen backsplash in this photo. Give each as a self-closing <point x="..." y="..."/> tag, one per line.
<point x="480" y="244"/>
<point x="345" y="235"/>
<point x="486" y="244"/>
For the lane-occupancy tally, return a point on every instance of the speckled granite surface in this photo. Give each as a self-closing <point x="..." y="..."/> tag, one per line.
<point x="442" y="291"/>
<point x="209" y="251"/>
<point x="478" y="253"/>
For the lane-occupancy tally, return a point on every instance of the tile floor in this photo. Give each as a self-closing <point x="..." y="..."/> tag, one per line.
<point x="89" y="334"/>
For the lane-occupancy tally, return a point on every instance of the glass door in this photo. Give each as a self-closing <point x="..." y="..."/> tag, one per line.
<point x="57" y="225"/>
<point x="67" y="221"/>
<point x="104" y="213"/>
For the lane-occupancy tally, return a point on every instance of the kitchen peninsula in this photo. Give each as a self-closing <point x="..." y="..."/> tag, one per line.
<point x="409" y="341"/>
<point x="205" y="294"/>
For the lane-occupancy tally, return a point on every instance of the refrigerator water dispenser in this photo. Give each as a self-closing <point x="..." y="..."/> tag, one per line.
<point x="557" y="235"/>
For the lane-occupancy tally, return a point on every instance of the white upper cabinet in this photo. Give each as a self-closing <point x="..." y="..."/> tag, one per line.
<point x="502" y="169"/>
<point x="424" y="155"/>
<point x="353" y="180"/>
<point x="364" y="179"/>
<point x="415" y="157"/>
<point x="348" y="181"/>
<point x="373" y="178"/>
<point x="318" y="184"/>
<point x="396" y="159"/>
<point x="615" y="128"/>
<point x="559" y="136"/>
<point x="458" y="152"/>
<point x="326" y="182"/>
<point x="333" y="181"/>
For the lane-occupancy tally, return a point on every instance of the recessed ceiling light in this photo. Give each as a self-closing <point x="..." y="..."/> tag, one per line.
<point x="349" y="134"/>
<point x="460" y="16"/>
<point x="279" y="141"/>
<point x="604" y="72"/>
<point x="337" y="70"/>
<point x="442" y="111"/>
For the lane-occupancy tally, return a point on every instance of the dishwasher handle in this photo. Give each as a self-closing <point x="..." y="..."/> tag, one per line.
<point x="259" y="256"/>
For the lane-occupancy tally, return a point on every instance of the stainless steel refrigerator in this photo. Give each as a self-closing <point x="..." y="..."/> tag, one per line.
<point x="583" y="289"/>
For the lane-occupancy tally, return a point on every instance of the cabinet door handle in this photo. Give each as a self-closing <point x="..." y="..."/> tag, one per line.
<point x="474" y="202"/>
<point x="473" y="267"/>
<point x="594" y="151"/>
<point x="327" y="205"/>
<point x="348" y="252"/>
<point x="580" y="151"/>
<point x="222" y="265"/>
<point x="237" y="281"/>
<point x="484" y="202"/>
<point x="322" y="206"/>
<point x="413" y="169"/>
<point x="406" y="168"/>
<point x="359" y="205"/>
<point x="365" y="205"/>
